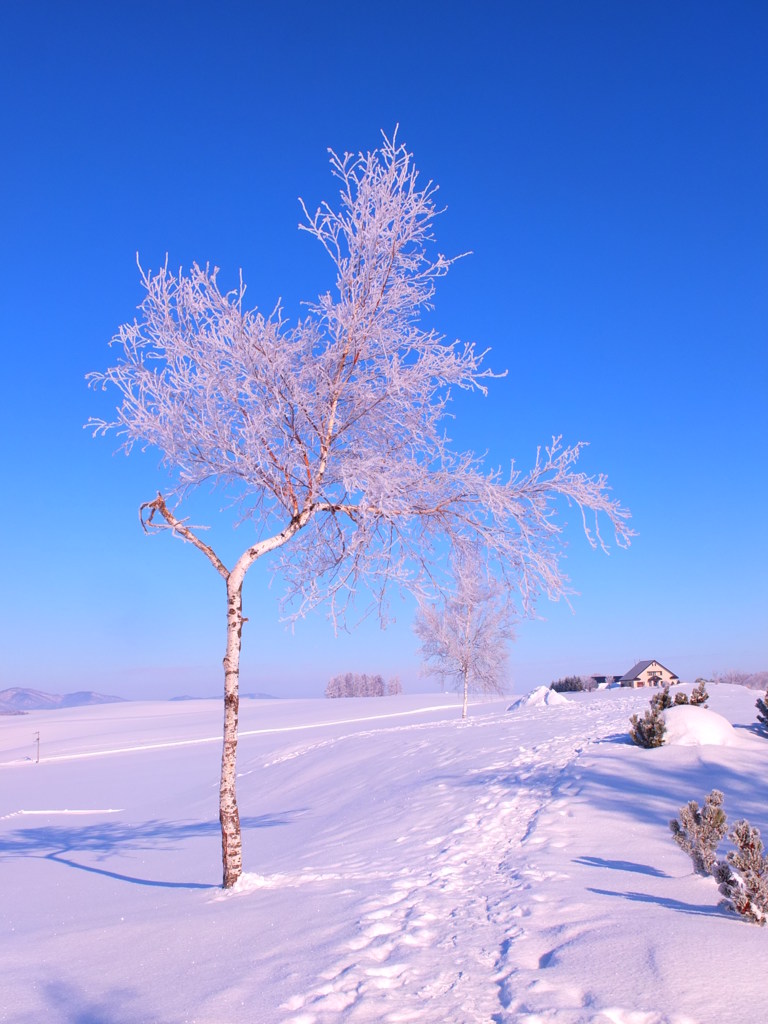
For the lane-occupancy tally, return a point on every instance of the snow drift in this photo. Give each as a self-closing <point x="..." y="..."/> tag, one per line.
<point x="542" y="696"/>
<point x="692" y="726"/>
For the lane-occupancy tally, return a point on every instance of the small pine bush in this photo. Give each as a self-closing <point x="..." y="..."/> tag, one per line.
<point x="743" y="875"/>
<point x="700" y="830"/>
<point x="762" y="711"/>
<point x="699" y="695"/>
<point x="661" y="700"/>
<point x="649" y="730"/>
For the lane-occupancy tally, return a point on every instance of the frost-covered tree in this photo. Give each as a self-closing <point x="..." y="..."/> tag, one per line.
<point x="394" y="686"/>
<point x="355" y="684"/>
<point x="699" y="830"/>
<point x="743" y="875"/>
<point x="329" y="434"/>
<point x="464" y="636"/>
<point x="753" y="680"/>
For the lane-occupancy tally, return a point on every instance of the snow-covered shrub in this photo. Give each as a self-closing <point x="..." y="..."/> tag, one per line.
<point x="661" y="700"/>
<point x="762" y="711"/>
<point x="699" y="695"/>
<point x="649" y="730"/>
<point x="698" y="698"/>
<point x="743" y="875"/>
<point x="699" y="830"/>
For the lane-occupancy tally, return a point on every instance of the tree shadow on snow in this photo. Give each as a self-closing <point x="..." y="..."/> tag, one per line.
<point x="531" y="775"/>
<point x="105" y="839"/>
<point x="621" y="865"/>
<point x="654" y="791"/>
<point x="754" y="728"/>
<point x="700" y="910"/>
<point x="69" y="1004"/>
<point x="622" y="738"/>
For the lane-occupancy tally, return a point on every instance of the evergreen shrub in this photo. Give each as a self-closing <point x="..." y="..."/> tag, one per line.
<point x="699" y="695"/>
<point x="649" y="730"/>
<point x="699" y="830"/>
<point x="743" y="875"/>
<point x="762" y="712"/>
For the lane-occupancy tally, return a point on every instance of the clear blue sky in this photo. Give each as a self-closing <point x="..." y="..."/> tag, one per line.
<point x="607" y="164"/>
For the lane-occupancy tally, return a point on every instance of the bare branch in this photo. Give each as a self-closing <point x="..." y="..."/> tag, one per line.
<point x="147" y="513"/>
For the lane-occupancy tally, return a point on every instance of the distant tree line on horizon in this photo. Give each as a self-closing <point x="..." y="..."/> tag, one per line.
<point x="577" y="684"/>
<point x="752" y="680"/>
<point x="356" y="684"/>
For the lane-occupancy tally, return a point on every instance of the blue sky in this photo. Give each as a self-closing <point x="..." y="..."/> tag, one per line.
<point x="606" y="163"/>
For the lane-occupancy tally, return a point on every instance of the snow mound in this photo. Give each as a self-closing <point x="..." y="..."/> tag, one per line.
<point x="691" y="726"/>
<point x="539" y="697"/>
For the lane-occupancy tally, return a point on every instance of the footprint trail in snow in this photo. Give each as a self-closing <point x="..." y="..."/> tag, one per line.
<point x="423" y="937"/>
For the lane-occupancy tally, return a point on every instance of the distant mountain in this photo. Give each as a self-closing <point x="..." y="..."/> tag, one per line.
<point x="17" y="700"/>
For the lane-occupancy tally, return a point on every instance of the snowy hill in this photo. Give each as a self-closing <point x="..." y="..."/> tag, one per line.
<point x="401" y="866"/>
<point x="17" y="699"/>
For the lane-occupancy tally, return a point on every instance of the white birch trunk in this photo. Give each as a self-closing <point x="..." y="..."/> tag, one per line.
<point x="229" y="816"/>
<point x="465" y="659"/>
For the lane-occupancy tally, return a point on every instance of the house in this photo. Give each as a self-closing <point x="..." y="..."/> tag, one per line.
<point x="649" y="673"/>
<point x="603" y="682"/>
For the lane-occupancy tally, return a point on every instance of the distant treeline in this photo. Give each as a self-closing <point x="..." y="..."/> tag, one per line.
<point x="355" y="684"/>
<point x="752" y="680"/>
<point x="575" y="684"/>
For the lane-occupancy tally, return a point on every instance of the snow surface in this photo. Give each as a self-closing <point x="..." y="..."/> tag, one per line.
<point x="401" y="866"/>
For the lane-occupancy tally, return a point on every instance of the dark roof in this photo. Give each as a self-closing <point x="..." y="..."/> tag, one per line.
<point x="641" y="666"/>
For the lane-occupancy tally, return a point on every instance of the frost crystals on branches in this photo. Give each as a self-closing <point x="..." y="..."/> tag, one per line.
<point x="743" y="875"/>
<point x="464" y="638"/>
<point x="330" y="432"/>
<point x="700" y="830"/>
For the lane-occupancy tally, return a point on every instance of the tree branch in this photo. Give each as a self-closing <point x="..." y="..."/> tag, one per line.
<point x="179" y="528"/>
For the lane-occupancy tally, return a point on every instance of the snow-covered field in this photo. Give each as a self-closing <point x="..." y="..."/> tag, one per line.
<point x="401" y="866"/>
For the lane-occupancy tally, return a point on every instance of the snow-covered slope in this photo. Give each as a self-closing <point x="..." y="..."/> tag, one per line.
<point x="400" y="866"/>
